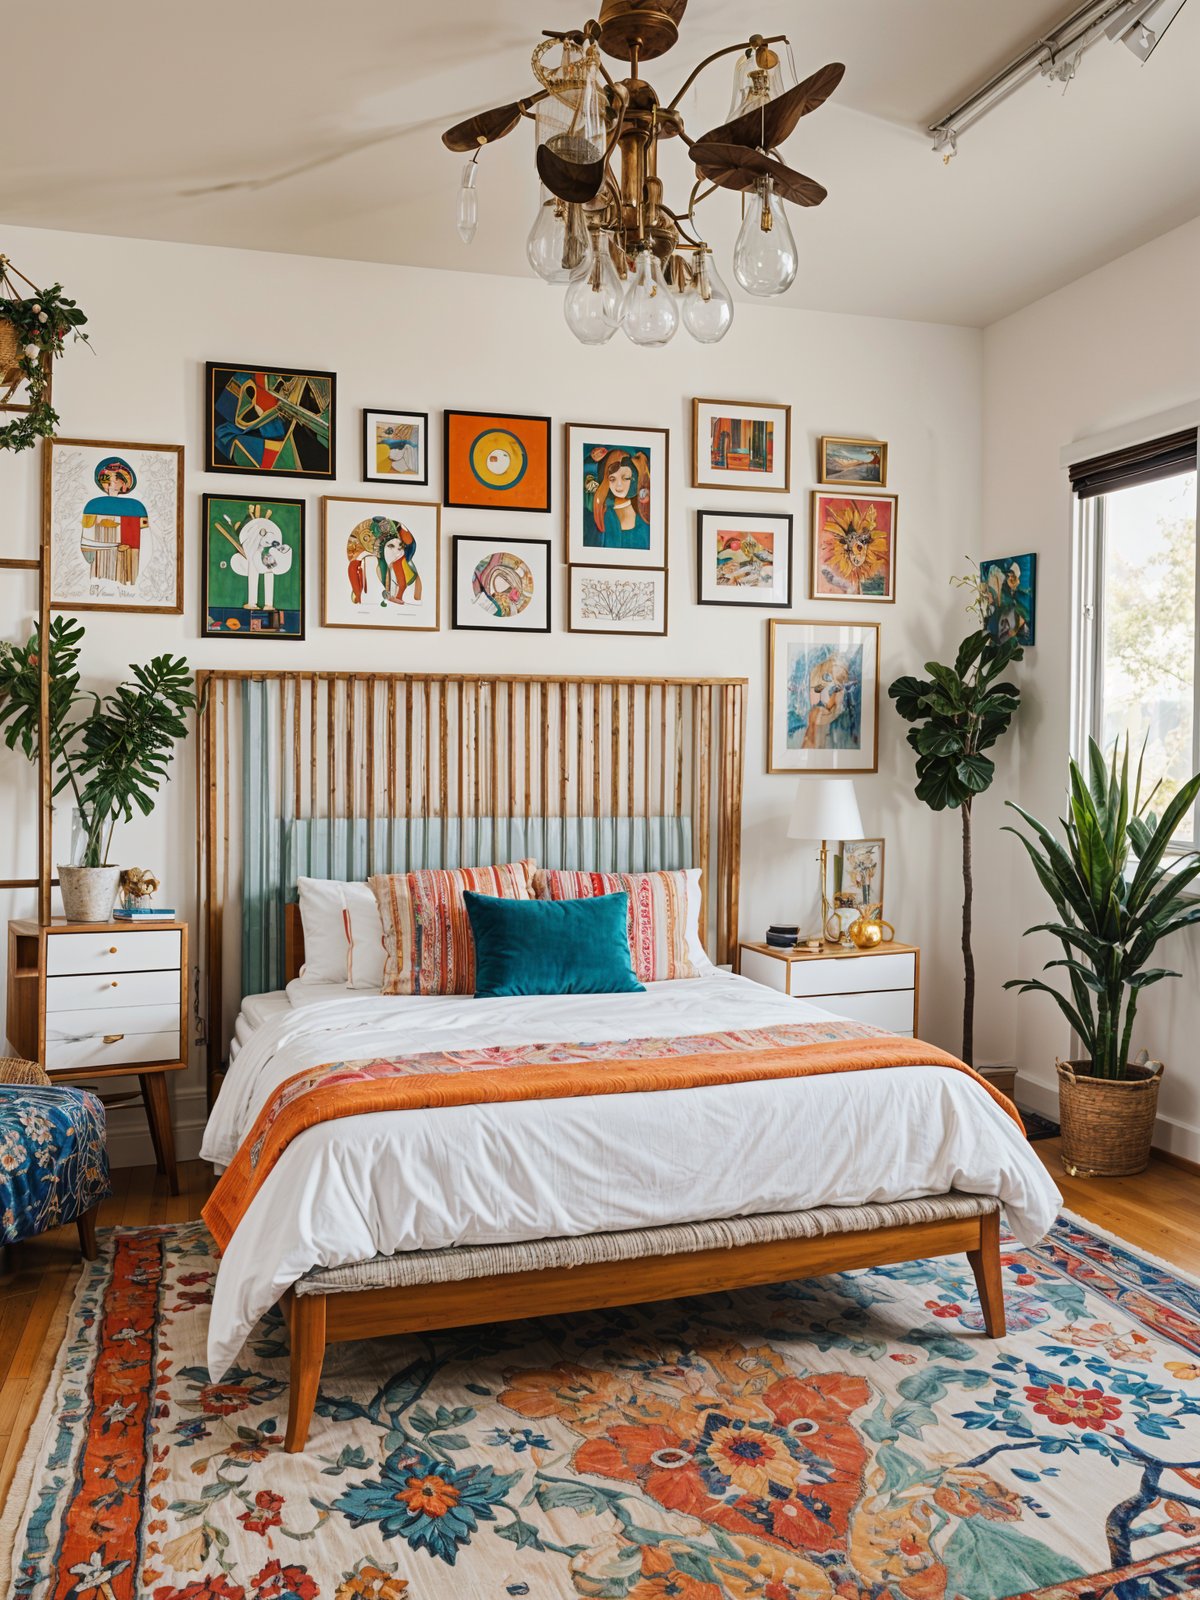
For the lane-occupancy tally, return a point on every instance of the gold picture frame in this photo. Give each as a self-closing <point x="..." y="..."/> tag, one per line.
<point x="848" y="740"/>
<point x="855" y="453"/>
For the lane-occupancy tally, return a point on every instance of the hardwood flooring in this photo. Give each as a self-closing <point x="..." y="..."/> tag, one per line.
<point x="1159" y="1211"/>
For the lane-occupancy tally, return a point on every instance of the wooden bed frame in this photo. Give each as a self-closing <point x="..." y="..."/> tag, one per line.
<point x="436" y="748"/>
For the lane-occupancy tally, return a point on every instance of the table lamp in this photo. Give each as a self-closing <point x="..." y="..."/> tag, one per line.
<point x="824" y="809"/>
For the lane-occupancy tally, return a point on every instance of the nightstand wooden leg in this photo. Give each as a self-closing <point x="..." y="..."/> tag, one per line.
<point x="158" y="1115"/>
<point x="989" y="1276"/>
<point x="86" y="1225"/>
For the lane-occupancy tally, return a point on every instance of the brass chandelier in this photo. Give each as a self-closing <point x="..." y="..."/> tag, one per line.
<point x="603" y="226"/>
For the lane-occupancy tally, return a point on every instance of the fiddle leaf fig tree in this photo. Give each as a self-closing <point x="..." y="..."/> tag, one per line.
<point x="958" y="713"/>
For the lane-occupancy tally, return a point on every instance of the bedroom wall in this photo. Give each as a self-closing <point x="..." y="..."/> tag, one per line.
<point x="409" y="337"/>
<point x="1117" y="347"/>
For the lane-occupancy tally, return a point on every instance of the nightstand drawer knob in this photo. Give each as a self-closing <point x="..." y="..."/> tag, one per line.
<point x="112" y="949"/>
<point x="113" y="1038"/>
<point x="114" y="984"/>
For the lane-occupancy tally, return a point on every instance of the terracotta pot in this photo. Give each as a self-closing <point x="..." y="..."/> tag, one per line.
<point x="1107" y="1123"/>
<point x="89" y="893"/>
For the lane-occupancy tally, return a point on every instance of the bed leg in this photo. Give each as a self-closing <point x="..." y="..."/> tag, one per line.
<point x="989" y="1279"/>
<point x="86" y="1226"/>
<point x="306" y="1315"/>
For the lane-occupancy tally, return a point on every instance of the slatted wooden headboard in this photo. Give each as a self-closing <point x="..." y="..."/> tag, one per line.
<point x="418" y="768"/>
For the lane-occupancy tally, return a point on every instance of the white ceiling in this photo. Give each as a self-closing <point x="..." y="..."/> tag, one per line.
<point x="313" y="127"/>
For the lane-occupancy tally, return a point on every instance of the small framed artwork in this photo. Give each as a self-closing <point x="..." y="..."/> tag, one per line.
<point x="495" y="461"/>
<point x="395" y="447"/>
<point x="1009" y="588"/>
<point x="616" y="486"/>
<point x="823" y="697"/>
<point x="857" y="463"/>
<point x="631" y="600"/>
<point x="264" y="419"/>
<point x="739" y="445"/>
<point x="853" y="547"/>
<point x="500" y="584"/>
<point x="253" y="568"/>
<point x="744" y="558"/>
<point x="116" y="525"/>
<point x="380" y="564"/>
<point x="858" y="876"/>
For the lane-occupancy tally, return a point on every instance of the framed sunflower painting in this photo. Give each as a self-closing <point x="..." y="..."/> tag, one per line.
<point x="496" y="461"/>
<point x="853" y="547"/>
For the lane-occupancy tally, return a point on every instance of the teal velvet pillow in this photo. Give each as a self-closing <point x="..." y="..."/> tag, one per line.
<point x="551" y="946"/>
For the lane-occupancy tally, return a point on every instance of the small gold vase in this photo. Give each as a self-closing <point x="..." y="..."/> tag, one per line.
<point x="866" y="932"/>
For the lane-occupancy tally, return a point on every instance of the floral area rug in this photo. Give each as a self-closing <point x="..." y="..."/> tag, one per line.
<point x="855" y="1437"/>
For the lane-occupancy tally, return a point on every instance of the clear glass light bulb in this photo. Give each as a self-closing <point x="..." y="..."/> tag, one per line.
<point x="558" y="246"/>
<point x="592" y="305"/>
<point x="707" y="305"/>
<point x="649" y="311"/>
<point x="468" y="203"/>
<point x="765" y="259"/>
<point x="757" y="78"/>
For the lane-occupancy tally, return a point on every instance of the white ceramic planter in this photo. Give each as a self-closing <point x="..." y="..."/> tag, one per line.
<point x="89" y="893"/>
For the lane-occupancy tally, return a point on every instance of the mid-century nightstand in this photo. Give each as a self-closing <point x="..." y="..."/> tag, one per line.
<point x="94" y="1000"/>
<point x="880" y="985"/>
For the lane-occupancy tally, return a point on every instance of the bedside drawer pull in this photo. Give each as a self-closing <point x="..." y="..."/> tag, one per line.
<point x="114" y="984"/>
<point x="112" y="949"/>
<point x="113" y="1038"/>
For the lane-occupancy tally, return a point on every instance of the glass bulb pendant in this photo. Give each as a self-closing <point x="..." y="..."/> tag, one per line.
<point x="558" y="246"/>
<point x="707" y="305"/>
<point x="757" y="78"/>
<point x="592" y="305"/>
<point x="468" y="202"/>
<point x="765" y="259"/>
<point x="649" y="311"/>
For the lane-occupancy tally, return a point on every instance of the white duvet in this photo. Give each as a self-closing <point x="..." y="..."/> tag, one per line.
<point x="416" y="1180"/>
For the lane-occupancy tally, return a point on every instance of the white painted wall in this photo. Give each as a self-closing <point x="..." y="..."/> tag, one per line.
<point x="1119" y="345"/>
<point x="411" y="337"/>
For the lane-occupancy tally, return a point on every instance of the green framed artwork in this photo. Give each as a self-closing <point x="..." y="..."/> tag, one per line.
<point x="270" y="419"/>
<point x="253" y="577"/>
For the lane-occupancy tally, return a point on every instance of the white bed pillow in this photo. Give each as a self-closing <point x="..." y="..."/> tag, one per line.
<point x="343" y="936"/>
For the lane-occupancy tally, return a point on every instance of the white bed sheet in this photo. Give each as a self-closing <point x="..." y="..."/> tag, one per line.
<point x="362" y="1186"/>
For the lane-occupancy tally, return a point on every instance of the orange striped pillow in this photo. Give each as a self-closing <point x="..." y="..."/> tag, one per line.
<point x="427" y="942"/>
<point x="658" y="914"/>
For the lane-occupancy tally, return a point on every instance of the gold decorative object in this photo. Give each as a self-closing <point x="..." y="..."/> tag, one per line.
<point x="138" y="886"/>
<point x="603" y="225"/>
<point x="867" y="929"/>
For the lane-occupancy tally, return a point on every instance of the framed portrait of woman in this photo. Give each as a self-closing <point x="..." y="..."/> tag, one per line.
<point x="616" y="485"/>
<point x="823" y="696"/>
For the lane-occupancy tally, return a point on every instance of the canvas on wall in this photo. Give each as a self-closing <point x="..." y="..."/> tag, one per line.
<point x="743" y="558"/>
<point x="853" y="547"/>
<point x="620" y="600"/>
<point x="395" y="447"/>
<point x="380" y="564"/>
<point x="496" y="461"/>
<point x="116" y="526"/>
<point x="823" y="697"/>
<point x="253" y="568"/>
<point x="1009" y="587"/>
<point x="616" y="485"/>
<point x="501" y="585"/>
<point x="267" y="419"/>
<point x="739" y="444"/>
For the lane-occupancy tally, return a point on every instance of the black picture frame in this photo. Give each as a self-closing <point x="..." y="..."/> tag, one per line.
<point x="324" y="473"/>
<point x="206" y="632"/>
<point x="496" y="502"/>
<point x="457" y="545"/>
<point x="747" y="516"/>
<point x="387" y="411"/>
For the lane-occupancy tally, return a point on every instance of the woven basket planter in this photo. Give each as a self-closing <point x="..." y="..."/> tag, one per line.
<point x="10" y="355"/>
<point x="1107" y="1123"/>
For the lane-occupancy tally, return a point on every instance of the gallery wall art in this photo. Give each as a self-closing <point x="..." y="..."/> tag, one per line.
<point x="380" y="564"/>
<point x="823" y="696"/>
<point x="621" y="600"/>
<point x="1009" y="584"/>
<point x="496" y="461"/>
<point x="617" y="495"/>
<point x="253" y="568"/>
<point x="853" y="547"/>
<point x="741" y="445"/>
<point x="395" y="447"/>
<point x="853" y="463"/>
<point x="115" y="515"/>
<point x="744" y="558"/>
<point x="500" y="584"/>
<point x="270" y="420"/>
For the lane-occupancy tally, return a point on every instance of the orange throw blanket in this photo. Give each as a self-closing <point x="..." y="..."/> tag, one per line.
<point x="554" y="1072"/>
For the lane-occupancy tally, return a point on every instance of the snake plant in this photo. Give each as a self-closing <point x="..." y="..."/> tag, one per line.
<point x="1115" y="899"/>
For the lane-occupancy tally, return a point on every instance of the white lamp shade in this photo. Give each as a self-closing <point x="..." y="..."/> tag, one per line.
<point x="825" y="808"/>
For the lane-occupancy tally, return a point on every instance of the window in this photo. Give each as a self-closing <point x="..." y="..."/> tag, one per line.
<point x="1137" y="521"/>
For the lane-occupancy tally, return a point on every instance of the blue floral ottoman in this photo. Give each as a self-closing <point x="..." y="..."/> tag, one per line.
<point x="53" y="1161"/>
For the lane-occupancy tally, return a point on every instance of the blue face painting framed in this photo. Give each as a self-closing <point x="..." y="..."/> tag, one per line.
<point x="1009" y="587"/>
<point x="616" y="487"/>
<point x="823" y="697"/>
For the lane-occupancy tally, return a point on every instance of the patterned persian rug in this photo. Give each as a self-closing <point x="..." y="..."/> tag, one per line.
<point x="852" y="1438"/>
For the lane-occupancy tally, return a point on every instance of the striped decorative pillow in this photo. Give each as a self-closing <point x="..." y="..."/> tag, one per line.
<point x="427" y="941"/>
<point x="661" y="915"/>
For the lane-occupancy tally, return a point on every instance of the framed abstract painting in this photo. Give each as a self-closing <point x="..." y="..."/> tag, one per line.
<point x="858" y="876"/>
<point x="823" y="697"/>
<point x="501" y="585"/>
<point x="744" y="558"/>
<point x="115" y="514"/>
<point x="267" y="419"/>
<point x="623" y="600"/>
<point x="253" y="571"/>
<point x="737" y="444"/>
<point x="395" y="447"/>
<point x="616" y="487"/>
<point x="856" y="463"/>
<point x="494" y="461"/>
<point x="1009" y="586"/>
<point x="380" y="564"/>
<point x="853" y="547"/>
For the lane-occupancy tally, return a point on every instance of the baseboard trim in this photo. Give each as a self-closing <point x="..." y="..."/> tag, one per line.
<point x="1173" y="1160"/>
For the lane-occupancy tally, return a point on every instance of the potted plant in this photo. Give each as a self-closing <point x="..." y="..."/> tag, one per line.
<point x="961" y="712"/>
<point x="1115" y="898"/>
<point x="112" y="756"/>
<point x="33" y="331"/>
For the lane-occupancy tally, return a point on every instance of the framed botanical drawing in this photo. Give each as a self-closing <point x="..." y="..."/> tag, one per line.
<point x="495" y="461"/>
<point x="1009" y="586"/>
<point x="853" y="547"/>
<point x="744" y="558"/>
<point x="858" y="876"/>
<point x="267" y="419"/>
<point x="823" y="697"/>
<point x="253" y="568"/>
<point x="500" y="584"/>
<point x="395" y="447"/>
<point x="857" y="463"/>
<point x="740" y="445"/>
<point x="626" y="600"/>
<point x="616" y="486"/>
<point x="380" y="564"/>
<point x="115" y="514"/>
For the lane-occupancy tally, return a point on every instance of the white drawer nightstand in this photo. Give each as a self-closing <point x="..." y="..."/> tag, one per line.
<point x="92" y="1000"/>
<point x="880" y="986"/>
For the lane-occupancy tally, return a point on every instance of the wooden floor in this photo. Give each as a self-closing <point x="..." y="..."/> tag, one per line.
<point x="1155" y="1211"/>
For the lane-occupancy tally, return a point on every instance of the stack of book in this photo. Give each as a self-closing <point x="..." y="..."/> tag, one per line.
<point x="144" y="914"/>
